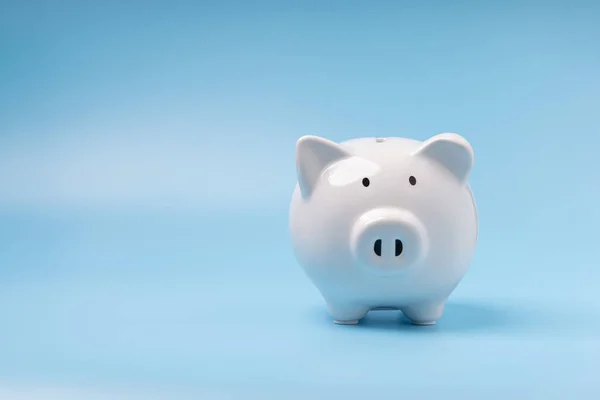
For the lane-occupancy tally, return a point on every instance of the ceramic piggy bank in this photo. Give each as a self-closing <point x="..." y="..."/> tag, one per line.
<point x="384" y="223"/>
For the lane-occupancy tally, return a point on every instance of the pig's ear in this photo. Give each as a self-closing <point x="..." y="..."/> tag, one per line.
<point x="313" y="155"/>
<point x="450" y="150"/>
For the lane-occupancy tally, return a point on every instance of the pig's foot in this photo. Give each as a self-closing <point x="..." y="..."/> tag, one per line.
<point x="349" y="322"/>
<point x="424" y="314"/>
<point x="346" y="315"/>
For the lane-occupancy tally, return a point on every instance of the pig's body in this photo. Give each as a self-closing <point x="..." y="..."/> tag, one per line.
<point x="404" y="239"/>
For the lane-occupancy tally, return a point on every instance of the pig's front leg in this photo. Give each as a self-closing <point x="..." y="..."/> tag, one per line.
<point x="424" y="313"/>
<point x="346" y="314"/>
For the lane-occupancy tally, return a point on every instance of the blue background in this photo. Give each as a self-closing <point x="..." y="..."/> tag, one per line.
<point x="146" y="168"/>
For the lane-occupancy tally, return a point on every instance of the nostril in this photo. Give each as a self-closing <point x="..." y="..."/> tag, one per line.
<point x="399" y="247"/>
<point x="377" y="247"/>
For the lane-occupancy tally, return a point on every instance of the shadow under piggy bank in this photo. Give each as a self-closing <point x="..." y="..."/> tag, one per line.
<point x="458" y="317"/>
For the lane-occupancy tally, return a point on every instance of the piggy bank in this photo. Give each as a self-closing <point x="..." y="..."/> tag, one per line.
<point x="384" y="223"/>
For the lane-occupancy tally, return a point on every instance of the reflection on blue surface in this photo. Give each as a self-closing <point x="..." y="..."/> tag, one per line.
<point x="147" y="162"/>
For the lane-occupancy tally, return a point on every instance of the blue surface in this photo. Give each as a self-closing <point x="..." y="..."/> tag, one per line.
<point x="146" y="165"/>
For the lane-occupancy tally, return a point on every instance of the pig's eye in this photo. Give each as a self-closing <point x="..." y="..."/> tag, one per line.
<point x="412" y="180"/>
<point x="366" y="182"/>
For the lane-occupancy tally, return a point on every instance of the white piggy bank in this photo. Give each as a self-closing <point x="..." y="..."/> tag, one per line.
<point x="384" y="223"/>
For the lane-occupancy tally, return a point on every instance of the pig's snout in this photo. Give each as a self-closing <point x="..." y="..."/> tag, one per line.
<point x="388" y="239"/>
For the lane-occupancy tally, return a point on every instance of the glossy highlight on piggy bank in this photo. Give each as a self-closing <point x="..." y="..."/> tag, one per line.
<point x="384" y="223"/>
